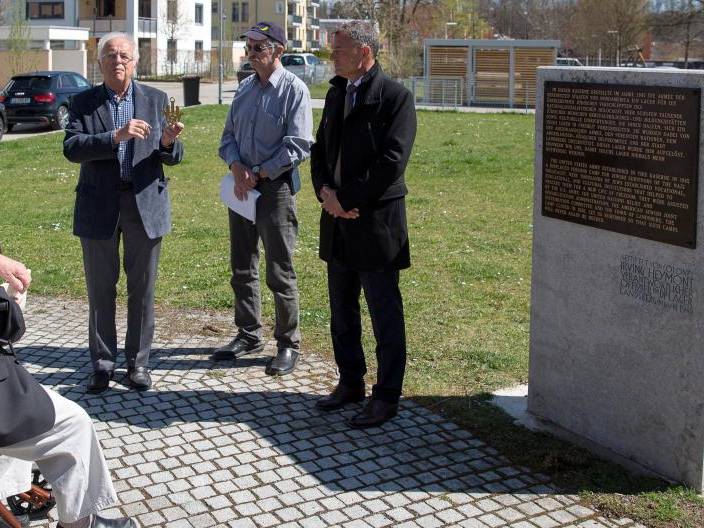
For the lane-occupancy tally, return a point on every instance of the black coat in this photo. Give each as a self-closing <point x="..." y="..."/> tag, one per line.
<point x="376" y="137"/>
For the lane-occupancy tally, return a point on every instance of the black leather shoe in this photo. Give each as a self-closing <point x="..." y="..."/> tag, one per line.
<point x="139" y="378"/>
<point x="283" y="363"/>
<point x="99" y="381"/>
<point x="341" y="396"/>
<point x="375" y="413"/>
<point x="123" y="522"/>
<point x="238" y="347"/>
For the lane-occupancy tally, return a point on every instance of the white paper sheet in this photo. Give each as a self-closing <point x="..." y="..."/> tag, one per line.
<point x="247" y="207"/>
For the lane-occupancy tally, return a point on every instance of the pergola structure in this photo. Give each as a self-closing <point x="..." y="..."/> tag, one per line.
<point x="486" y="72"/>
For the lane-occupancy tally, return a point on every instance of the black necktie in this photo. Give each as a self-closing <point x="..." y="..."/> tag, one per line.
<point x="349" y="98"/>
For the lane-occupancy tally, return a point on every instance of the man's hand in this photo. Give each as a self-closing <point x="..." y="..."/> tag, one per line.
<point x="332" y="205"/>
<point x="15" y="273"/>
<point x="245" y="180"/>
<point x="171" y="133"/>
<point x="135" y="128"/>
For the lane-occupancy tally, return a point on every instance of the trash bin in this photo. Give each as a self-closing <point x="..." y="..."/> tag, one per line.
<point x="191" y="89"/>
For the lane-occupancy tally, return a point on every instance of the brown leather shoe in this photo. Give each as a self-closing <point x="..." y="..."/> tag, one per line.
<point x="375" y="413"/>
<point x="341" y="396"/>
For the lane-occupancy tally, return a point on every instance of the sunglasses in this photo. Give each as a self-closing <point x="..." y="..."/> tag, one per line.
<point x="257" y="48"/>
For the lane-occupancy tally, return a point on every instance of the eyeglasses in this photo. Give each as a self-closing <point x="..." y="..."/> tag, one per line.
<point x="114" y="57"/>
<point x="257" y="48"/>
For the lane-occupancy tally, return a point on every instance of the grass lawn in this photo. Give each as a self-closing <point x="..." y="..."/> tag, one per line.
<point x="318" y="91"/>
<point x="466" y="296"/>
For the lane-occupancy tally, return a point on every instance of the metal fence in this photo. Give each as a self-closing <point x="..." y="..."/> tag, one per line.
<point x="437" y="91"/>
<point x="161" y="63"/>
<point x="453" y="92"/>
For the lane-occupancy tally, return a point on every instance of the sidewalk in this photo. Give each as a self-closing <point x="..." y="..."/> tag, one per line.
<point x="217" y="444"/>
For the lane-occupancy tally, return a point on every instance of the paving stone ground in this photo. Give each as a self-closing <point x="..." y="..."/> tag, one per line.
<point x="224" y="445"/>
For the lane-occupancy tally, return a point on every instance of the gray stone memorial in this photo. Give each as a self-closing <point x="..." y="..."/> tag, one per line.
<point x="617" y="305"/>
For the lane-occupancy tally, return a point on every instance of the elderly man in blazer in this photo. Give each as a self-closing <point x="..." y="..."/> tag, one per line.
<point x="358" y="161"/>
<point x="119" y="135"/>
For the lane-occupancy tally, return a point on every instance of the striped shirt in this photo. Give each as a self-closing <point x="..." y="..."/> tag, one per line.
<point x="122" y="112"/>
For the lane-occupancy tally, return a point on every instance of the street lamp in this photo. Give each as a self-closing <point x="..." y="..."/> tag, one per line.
<point x="221" y="68"/>
<point x="618" y="45"/>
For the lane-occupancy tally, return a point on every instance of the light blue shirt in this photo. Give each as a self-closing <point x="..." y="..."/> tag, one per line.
<point x="270" y="125"/>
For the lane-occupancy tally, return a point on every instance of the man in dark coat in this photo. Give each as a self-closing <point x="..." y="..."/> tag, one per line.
<point x="119" y="135"/>
<point x="362" y="147"/>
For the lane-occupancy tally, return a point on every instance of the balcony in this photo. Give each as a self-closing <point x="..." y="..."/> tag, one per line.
<point x="99" y="25"/>
<point x="313" y="3"/>
<point x="295" y="44"/>
<point x="147" y="27"/>
<point x="313" y="45"/>
<point x="314" y="22"/>
<point x="295" y="20"/>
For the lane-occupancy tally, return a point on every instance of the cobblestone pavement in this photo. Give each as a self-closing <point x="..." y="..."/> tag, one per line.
<point x="226" y="445"/>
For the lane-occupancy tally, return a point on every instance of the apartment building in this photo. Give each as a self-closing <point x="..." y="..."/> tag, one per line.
<point x="173" y="35"/>
<point x="298" y="17"/>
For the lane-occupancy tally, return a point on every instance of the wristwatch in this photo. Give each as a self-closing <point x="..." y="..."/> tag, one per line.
<point x="257" y="169"/>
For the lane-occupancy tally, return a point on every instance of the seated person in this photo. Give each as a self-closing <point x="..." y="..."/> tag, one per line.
<point x="68" y="454"/>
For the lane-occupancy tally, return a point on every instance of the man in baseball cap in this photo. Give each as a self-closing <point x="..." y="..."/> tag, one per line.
<point x="263" y="30"/>
<point x="267" y="135"/>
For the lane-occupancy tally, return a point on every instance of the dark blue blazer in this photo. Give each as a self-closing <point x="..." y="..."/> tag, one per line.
<point x="88" y="141"/>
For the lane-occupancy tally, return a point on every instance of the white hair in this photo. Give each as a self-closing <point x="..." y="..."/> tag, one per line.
<point x="115" y="35"/>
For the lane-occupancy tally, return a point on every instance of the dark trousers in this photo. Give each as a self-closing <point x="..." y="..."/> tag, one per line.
<point x="277" y="228"/>
<point x="101" y="262"/>
<point x="386" y="311"/>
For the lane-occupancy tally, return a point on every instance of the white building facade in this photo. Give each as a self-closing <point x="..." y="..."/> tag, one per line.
<point x="173" y="35"/>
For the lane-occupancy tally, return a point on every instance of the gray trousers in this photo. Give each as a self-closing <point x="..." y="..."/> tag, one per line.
<point x="277" y="227"/>
<point x="101" y="262"/>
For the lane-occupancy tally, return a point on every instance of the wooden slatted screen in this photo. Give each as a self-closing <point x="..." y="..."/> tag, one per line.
<point x="526" y="62"/>
<point x="491" y="76"/>
<point x="447" y="62"/>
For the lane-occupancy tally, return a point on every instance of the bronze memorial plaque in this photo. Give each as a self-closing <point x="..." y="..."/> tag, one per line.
<point x="623" y="158"/>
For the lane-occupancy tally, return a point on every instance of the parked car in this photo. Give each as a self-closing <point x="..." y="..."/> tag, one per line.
<point x="304" y="65"/>
<point x="568" y="61"/>
<point x="244" y="71"/>
<point x="41" y="97"/>
<point x="3" y="120"/>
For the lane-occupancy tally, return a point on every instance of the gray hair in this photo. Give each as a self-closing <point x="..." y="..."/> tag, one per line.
<point x="115" y="35"/>
<point x="362" y="32"/>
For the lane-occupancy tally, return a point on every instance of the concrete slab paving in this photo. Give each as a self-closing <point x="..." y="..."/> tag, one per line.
<point x="224" y="445"/>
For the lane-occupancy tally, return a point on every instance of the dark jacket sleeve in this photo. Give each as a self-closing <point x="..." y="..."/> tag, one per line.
<point x="392" y="155"/>
<point x="318" y="155"/>
<point x="79" y="145"/>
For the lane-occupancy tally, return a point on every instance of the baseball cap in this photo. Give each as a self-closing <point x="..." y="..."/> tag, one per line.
<point x="262" y="30"/>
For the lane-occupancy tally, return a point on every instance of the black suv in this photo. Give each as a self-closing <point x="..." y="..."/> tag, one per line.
<point x="3" y="120"/>
<point x="41" y="97"/>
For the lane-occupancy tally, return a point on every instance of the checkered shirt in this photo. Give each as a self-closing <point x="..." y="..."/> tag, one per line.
<point x="122" y="112"/>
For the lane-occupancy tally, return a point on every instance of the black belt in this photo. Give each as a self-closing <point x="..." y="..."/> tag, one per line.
<point x="126" y="186"/>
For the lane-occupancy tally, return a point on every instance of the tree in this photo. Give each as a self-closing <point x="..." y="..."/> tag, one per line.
<point x="613" y="25"/>
<point x="19" y="37"/>
<point x="174" y="24"/>
<point x="528" y="19"/>
<point x="681" y="22"/>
